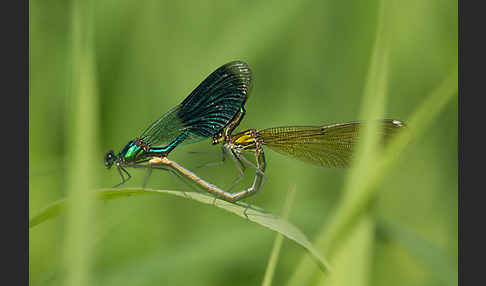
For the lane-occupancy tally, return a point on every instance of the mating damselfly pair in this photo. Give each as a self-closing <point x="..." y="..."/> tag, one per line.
<point x="213" y="110"/>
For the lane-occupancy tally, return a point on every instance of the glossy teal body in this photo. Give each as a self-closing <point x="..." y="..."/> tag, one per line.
<point x="137" y="150"/>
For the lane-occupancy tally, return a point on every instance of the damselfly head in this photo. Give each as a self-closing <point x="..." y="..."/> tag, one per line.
<point x="110" y="158"/>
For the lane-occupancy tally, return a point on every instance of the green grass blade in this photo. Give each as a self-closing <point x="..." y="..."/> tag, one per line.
<point x="272" y="262"/>
<point x="353" y="259"/>
<point x="349" y="211"/>
<point x="82" y="143"/>
<point x="252" y="32"/>
<point x="367" y="174"/>
<point x="256" y="215"/>
<point x="440" y="265"/>
<point x="371" y="109"/>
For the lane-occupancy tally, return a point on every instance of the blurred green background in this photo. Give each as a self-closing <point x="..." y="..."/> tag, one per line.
<point x="101" y="71"/>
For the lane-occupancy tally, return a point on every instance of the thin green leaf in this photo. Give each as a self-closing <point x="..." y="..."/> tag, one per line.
<point x="348" y="212"/>
<point x="440" y="265"/>
<point x="272" y="263"/>
<point x="82" y="122"/>
<point x="361" y="186"/>
<point x="354" y="253"/>
<point x="353" y="199"/>
<point x="254" y="214"/>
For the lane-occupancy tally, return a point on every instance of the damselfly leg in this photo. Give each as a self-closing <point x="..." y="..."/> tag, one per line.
<point x="150" y="167"/>
<point x="147" y="176"/>
<point x="120" y="169"/>
<point x="239" y="166"/>
<point x="212" y="164"/>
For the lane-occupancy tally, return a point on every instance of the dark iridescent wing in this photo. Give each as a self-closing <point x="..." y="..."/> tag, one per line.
<point x="329" y="146"/>
<point x="207" y="110"/>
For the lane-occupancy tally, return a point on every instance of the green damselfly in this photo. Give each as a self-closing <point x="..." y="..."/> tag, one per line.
<point x="330" y="146"/>
<point x="214" y="108"/>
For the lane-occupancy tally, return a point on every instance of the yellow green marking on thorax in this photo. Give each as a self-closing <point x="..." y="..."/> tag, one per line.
<point x="246" y="140"/>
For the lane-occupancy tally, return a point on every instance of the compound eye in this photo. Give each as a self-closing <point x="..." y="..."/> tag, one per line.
<point x="109" y="159"/>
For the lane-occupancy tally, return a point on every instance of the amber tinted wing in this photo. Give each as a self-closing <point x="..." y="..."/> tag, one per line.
<point x="329" y="146"/>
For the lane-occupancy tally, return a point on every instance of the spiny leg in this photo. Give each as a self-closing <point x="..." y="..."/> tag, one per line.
<point x="212" y="164"/>
<point x="175" y="175"/>
<point x="147" y="176"/>
<point x="260" y="172"/>
<point x="253" y="198"/>
<point x="123" y="178"/>
<point x="239" y="166"/>
<point x="126" y="172"/>
<point x="243" y="157"/>
<point x="238" y="155"/>
<point x="149" y="168"/>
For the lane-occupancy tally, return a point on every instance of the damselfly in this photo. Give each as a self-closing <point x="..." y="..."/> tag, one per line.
<point x="214" y="108"/>
<point x="328" y="146"/>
